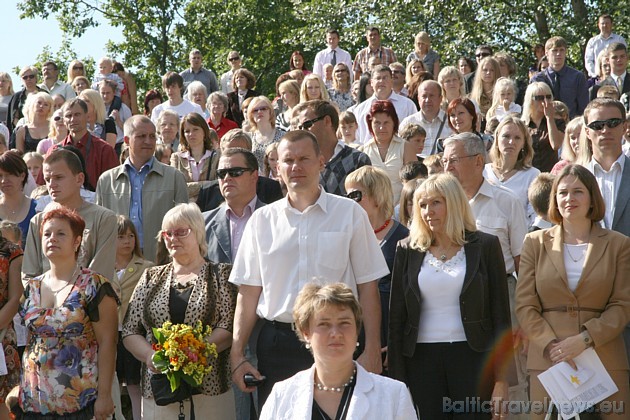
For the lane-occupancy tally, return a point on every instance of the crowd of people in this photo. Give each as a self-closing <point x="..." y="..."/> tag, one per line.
<point x="370" y="239"/>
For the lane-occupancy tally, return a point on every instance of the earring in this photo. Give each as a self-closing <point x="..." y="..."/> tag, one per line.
<point x="358" y="344"/>
<point x="307" y="345"/>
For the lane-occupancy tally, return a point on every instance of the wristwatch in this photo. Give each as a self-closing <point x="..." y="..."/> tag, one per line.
<point x="587" y="339"/>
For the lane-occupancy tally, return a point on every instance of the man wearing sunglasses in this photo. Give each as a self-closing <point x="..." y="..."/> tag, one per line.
<point x="321" y="119"/>
<point x="52" y="84"/>
<point x="142" y="188"/>
<point x="308" y="236"/>
<point x="567" y="84"/>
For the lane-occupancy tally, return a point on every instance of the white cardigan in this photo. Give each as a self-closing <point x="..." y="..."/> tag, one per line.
<point x="386" y="398"/>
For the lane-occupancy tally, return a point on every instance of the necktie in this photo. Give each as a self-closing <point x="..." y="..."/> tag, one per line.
<point x="619" y="84"/>
<point x="556" y="86"/>
<point x="334" y="59"/>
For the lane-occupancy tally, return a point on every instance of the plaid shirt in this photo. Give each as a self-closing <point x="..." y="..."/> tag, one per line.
<point x="386" y="55"/>
<point x="345" y="160"/>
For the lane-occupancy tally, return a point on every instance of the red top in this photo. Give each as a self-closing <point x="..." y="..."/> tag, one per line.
<point x="224" y="126"/>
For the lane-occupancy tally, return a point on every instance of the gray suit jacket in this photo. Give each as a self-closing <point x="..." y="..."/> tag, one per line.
<point x="218" y="234"/>
<point x="621" y="218"/>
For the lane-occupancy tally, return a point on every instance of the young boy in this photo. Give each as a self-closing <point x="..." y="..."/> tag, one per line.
<point x="538" y="195"/>
<point x="173" y="84"/>
<point x="415" y="134"/>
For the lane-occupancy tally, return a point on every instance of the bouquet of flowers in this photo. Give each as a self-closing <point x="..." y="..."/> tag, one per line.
<point x="182" y="353"/>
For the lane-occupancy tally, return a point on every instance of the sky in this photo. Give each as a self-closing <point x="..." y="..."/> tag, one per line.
<point x="32" y="35"/>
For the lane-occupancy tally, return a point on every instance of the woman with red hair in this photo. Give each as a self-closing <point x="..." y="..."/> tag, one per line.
<point x="385" y="149"/>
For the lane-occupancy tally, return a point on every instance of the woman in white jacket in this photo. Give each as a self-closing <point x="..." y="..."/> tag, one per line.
<point x="328" y="320"/>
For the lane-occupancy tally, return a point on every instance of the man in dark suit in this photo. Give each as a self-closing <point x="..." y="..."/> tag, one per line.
<point x="617" y="54"/>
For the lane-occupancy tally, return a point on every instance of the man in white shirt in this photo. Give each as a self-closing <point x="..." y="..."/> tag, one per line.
<point x="52" y="85"/>
<point x="599" y="42"/>
<point x="235" y="61"/>
<point x="331" y="55"/>
<point x="383" y="85"/>
<point x="308" y="236"/>
<point x="431" y="116"/>
<point x="497" y="212"/>
<point x="173" y="83"/>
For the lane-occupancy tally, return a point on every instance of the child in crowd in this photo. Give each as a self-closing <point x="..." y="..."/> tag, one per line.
<point x="106" y="72"/>
<point x="328" y="75"/>
<point x="347" y="130"/>
<point x="411" y="171"/>
<point x="34" y="162"/>
<point x="3" y="143"/>
<point x="608" y="92"/>
<point x="538" y="195"/>
<point x="434" y="164"/>
<point x="404" y="208"/>
<point x="503" y="99"/>
<point x="270" y="161"/>
<point x="415" y="134"/>
<point x="570" y="144"/>
<point x="163" y="153"/>
<point x="561" y="110"/>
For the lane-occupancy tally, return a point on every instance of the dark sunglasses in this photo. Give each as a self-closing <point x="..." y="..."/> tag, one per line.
<point x="234" y="58"/>
<point x="56" y="118"/>
<point x="232" y="172"/>
<point x="355" y="196"/>
<point x="483" y="54"/>
<point x="541" y="97"/>
<point x="599" y="125"/>
<point x="28" y="76"/>
<point x="306" y="125"/>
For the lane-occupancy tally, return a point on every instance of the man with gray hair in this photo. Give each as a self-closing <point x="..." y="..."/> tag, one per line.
<point x="142" y="188"/>
<point x="197" y="72"/>
<point x="498" y="212"/>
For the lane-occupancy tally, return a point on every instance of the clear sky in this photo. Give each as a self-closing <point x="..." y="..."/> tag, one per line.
<point x="24" y="40"/>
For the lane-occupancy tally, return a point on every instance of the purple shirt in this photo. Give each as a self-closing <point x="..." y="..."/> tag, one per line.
<point x="237" y="224"/>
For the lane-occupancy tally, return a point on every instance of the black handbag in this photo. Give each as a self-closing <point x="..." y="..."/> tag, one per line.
<point x="162" y="394"/>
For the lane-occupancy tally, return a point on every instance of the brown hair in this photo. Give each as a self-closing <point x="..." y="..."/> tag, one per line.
<point x="598" y="207"/>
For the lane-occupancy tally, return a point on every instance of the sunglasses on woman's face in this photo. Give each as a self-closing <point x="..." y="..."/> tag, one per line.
<point x="355" y="196"/>
<point x="541" y="98"/>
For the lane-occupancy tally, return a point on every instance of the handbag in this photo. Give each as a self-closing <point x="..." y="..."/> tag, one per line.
<point x="162" y="394"/>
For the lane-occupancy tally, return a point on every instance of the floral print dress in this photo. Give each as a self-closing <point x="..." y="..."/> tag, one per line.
<point x="9" y="342"/>
<point x="60" y="360"/>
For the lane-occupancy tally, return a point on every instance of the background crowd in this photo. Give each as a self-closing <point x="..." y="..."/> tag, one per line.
<point x="412" y="183"/>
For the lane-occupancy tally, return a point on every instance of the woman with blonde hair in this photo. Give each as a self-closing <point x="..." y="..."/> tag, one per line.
<point x="262" y="126"/>
<point x="449" y="307"/>
<point x="453" y="86"/>
<point x="546" y="130"/>
<point x="571" y="144"/>
<point x="486" y="76"/>
<point x="57" y="131"/>
<point x="422" y="51"/>
<point x="511" y="157"/>
<point x="75" y="68"/>
<point x="99" y="123"/>
<point x="289" y="91"/>
<point x="313" y="87"/>
<point x="414" y="67"/>
<point x="197" y="158"/>
<point x="340" y="93"/>
<point x="37" y="112"/>
<point x="6" y="92"/>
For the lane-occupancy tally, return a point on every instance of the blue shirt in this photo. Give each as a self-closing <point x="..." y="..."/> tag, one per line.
<point x="136" y="181"/>
<point x="573" y="88"/>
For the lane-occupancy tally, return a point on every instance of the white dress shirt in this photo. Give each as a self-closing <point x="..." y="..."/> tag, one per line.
<point x="519" y="184"/>
<point x="608" y="182"/>
<point x="404" y="108"/>
<point x="283" y="249"/>
<point x="596" y="45"/>
<point x="325" y="57"/>
<point x="431" y="127"/>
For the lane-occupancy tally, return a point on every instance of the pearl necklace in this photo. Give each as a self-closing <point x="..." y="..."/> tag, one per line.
<point x="322" y="387"/>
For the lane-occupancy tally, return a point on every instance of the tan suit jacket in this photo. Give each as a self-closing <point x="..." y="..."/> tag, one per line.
<point x="604" y="285"/>
<point x="124" y="287"/>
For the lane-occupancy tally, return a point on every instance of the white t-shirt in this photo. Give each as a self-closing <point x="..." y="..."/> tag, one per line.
<point x="183" y="109"/>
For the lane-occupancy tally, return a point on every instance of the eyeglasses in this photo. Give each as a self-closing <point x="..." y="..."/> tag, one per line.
<point x="599" y="125"/>
<point x="57" y="118"/>
<point x="234" y="58"/>
<point x="541" y="97"/>
<point x="306" y="125"/>
<point x="261" y="109"/>
<point x="232" y="172"/>
<point x="176" y="233"/>
<point x="28" y="76"/>
<point x="355" y="196"/>
<point x="455" y="160"/>
<point x="483" y="54"/>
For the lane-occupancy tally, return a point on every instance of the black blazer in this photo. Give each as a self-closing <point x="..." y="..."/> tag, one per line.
<point x="484" y="304"/>
<point x="592" y="92"/>
<point x="234" y="111"/>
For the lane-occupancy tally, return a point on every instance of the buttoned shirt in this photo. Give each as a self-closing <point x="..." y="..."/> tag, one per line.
<point x="283" y="249"/>
<point x="431" y="127"/>
<point x="498" y="212"/>
<point x="404" y="108"/>
<point x="362" y="58"/>
<point x="619" y="80"/>
<point x="608" y="182"/>
<point x="226" y="82"/>
<point x="196" y="167"/>
<point x="207" y="77"/>
<point x="60" y="88"/>
<point x="136" y="180"/>
<point x="596" y="45"/>
<point x="326" y="56"/>
<point x="238" y="223"/>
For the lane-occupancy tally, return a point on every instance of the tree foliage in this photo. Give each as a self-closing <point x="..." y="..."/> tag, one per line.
<point x="159" y="33"/>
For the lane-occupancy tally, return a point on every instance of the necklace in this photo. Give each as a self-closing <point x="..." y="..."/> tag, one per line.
<point x="69" y="283"/>
<point x="382" y="228"/>
<point x="568" y="248"/>
<point x="322" y="387"/>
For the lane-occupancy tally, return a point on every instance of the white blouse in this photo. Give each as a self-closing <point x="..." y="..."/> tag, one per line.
<point x="574" y="263"/>
<point x="440" y="286"/>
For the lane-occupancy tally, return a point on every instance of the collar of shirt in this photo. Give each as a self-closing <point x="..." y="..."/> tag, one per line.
<point x="80" y="143"/>
<point x="622" y="75"/>
<point x="186" y="155"/>
<point x="439" y="117"/>
<point x="485" y="189"/>
<point x="201" y="69"/>
<point x="560" y="72"/>
<point x="247" y="211"/>
<point x="145" y="168"/>
<point x="338" y="148"/>
<point x="619" y="163"/>
<point x="321" y="202"/>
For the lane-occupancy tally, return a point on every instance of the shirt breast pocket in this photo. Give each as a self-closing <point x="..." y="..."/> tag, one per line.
<point x="334" y="249"/>
<point x="496" y="225"/>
